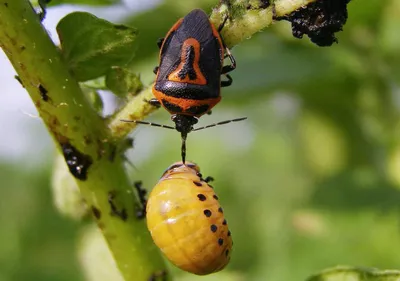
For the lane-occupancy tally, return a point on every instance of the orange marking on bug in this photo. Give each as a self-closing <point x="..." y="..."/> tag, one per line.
<point x="185" y="104"/>
<point x="187" y="66"/>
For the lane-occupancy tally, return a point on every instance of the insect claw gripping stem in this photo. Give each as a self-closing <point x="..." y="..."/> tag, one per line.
<point x="221" y="26"/>
<point x="232" y="66"/>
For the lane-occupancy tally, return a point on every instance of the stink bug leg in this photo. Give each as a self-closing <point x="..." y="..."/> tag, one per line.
<point x="227" y="82"/>
<point x="141" y="213"/>
<point x="232" y="66"/>
<point x="154" y="102"/>
<point x="221" y="26"/>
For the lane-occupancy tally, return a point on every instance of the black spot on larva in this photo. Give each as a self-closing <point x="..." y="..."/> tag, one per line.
<point x="213" y="228"/>
<point x="229" y="233"/>
<point x="224" y="222"/>
<point x="215" y="197"/>
<point x="197" y="183"/>
<point x="226" y="252"/>
<point x="78" y="163"/>
<point x="220" y="210"/>
<point x="96" y="212"/>
<point x="220" y="241"/>
<point x="201" y="197"/>
<point x="207" y="213"/>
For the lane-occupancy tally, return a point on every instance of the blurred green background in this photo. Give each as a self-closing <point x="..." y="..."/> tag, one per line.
<point x="311" y="180"/>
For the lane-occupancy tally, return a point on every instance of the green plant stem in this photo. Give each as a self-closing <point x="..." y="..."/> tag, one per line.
<point x="244" y="22"/>
<point x="136" y="109"/>
<point x="248" y="17"/>
<point x="71" y="120"/>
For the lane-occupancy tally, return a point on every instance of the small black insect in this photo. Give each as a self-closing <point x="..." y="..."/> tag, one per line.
<point x="78" y="163"/>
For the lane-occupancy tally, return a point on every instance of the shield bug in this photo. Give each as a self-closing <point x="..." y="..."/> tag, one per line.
<point x="188" y="82"/>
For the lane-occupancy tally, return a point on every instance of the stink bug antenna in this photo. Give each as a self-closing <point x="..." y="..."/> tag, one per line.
<point x="220" y="123"/>
<point x="148" y="123"/>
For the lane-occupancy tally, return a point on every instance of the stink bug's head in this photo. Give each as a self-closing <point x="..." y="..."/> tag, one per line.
<point x="184" y="123"/>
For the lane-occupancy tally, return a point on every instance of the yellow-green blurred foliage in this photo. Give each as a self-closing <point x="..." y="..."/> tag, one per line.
<point x="311" y="180"/>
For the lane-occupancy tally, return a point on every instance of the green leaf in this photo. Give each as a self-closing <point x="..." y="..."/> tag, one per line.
<point x="94" y="99"/>
<point x="96" y="84"/>
<point x="91" y="45"/>
<point x="348" y="273"/>
<point x="122" y="82"/>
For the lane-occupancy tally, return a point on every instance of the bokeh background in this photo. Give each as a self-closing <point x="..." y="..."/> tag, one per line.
<point x="311" y="180"/>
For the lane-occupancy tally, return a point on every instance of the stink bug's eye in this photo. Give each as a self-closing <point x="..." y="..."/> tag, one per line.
<point x="186" y="221"/>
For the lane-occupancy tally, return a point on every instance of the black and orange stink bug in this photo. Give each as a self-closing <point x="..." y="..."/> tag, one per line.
<point x="186" y="221"/>
<point x="188" y="81"/>
<point x="189" y="74"/>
